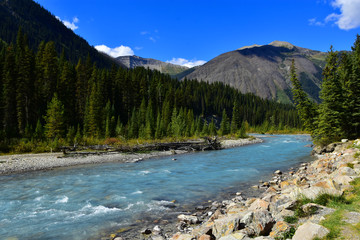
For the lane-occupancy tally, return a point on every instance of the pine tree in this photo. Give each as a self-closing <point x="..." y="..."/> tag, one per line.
<point x="305" y="107"/>
<point x="225" y="124"/>
<point x="352" y="86"/>
<point x="236" y="117"/>
<point x="54" y="127"/>
<point x="331" y="110"/>
<point x="9" y="94"/>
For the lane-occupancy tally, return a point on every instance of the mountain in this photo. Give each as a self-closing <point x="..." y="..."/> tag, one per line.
<point x="264" y="70"/>
<point x="40" y="25"/>
<point x="153" y="64"/>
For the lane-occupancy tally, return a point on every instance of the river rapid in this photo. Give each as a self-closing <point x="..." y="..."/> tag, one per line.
<point x="86" y="201"/>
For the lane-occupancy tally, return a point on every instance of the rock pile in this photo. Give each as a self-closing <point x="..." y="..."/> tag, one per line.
<point x="264" y="217"/>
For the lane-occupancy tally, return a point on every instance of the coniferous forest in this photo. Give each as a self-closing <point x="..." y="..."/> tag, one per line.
<point x="46" y="99"/>
<point x="338" y="115"/>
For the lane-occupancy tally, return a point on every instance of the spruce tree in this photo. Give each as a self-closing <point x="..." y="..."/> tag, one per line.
<point x="305" y="107"/>
<point x="54" y="127"/>
<point x="331" y="109"/>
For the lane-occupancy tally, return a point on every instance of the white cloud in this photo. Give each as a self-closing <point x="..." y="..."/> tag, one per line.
<point x="138" y="48"/>
<point x="115" y="52"/>
<point x="68" y="24"/>
<point x="349" y="18"/>
<point x="186" y="63"/>
<point x="315" y="22"/>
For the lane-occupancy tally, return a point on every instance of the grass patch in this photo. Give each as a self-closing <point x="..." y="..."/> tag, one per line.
<point x="350" y="201"/>
<point x="287" y="235"/>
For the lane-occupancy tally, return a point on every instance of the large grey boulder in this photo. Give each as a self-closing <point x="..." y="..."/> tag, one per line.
<point x="260" y="221"/>
<point x="309" y="231"/>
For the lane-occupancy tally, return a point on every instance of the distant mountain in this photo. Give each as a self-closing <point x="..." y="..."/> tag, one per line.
<point x="164" y="67"/>
<point x="40" y="25"/>
<point x="265" y="70"/>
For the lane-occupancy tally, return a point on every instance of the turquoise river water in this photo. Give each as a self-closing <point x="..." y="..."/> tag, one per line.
<point x="80" y="202"/>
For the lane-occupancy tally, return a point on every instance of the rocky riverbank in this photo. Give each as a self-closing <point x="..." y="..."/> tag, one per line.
<point x="20" y="163"/>
<point x="275" y="214"/>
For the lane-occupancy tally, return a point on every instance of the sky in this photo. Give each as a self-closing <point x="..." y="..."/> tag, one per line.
<point x="192" y="32"/>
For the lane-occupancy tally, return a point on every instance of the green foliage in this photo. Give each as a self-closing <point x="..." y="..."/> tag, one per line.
<point x="84" y="104"/>
<point x="338" y="115"/>
<point x="305" y="107"/>
<point x="287" y="235"/>
<point x="54" y="127"/>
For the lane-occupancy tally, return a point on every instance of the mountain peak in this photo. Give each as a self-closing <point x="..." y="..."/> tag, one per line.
<point x="281" y="44"/>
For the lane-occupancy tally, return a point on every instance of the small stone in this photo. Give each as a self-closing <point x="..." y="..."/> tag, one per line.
<point x="344" y="140"/>
<point x="205" y="237"/>
<point x="146" y="231"/>
<point x="157" y="230"/>
<point x="238" y="193"/>
<point x="278" y="172"/>
<point x="174" y="159"/>
<point x="255" y="187"/>
<point x="201" y="208"/>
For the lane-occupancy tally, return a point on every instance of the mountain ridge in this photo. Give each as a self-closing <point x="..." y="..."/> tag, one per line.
<point x="154" y="64"/>
<point x="265" y="70"/>
<point x="41" y="25"/>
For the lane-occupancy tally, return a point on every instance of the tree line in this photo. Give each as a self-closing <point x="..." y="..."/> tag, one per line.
<point x="46" y="97"/>
<point x="338" y="115"/>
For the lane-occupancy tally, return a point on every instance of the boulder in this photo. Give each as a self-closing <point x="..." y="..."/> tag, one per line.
<point x="279" y="228"/>
<point x="234" y="236"/>
<point x="226" y="225"/>
<point x="205" y="237"/>
<point x="259" y="204"/>
<point x="188" y="219"/>
<point x="179" y="236"/>
<point x="309" y="231"/>
<point x="260" y="221"/>
<point x="347" y="171"/>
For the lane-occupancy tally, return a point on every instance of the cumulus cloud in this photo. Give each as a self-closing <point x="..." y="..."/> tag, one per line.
<point x="72" y="25"/>
<point x="186" y="63"/>
<point x="349" y="18"/>
<point x="115" y="52"/>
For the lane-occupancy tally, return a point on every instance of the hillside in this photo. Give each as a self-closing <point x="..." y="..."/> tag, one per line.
<point x="264" y="70"/>
<point x="40" y="25"/>
<point x="153" y="64"/>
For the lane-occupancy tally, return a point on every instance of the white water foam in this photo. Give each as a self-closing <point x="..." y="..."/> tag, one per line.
<point x="38" y="199"/>
<point x="137" y="192"/>
<point x="144" y="172"/>
<point x="64" y="199"/>
<point x="167" y="171"/>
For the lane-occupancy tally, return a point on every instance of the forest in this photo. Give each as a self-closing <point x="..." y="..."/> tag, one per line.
<point x="338" y="115"/>
<point x="47" y="100"/>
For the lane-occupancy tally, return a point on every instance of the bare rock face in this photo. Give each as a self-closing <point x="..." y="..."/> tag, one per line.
<point x="265" y="70"/>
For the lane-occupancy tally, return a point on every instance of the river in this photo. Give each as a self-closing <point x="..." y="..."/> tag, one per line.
<point x="82" y="202"/>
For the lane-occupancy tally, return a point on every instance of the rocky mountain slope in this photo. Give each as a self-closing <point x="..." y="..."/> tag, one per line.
<point x="40" y="25"/>
<point x="264" y="70"/>
<point x="164" y="67"/>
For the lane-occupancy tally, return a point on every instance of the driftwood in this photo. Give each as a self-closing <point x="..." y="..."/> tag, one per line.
<point x="206" y="144"/>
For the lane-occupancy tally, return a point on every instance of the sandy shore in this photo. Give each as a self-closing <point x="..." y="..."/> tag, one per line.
<point x="46" y="161"/>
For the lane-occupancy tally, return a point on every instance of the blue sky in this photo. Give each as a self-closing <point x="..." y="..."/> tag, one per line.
<point x="190" y="32"/>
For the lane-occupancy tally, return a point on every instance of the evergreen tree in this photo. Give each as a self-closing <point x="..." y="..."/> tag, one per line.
<point x="331" y="110"/>
<point x="236" y="117"/>
<point x="9" y="94"/>
<point x="352" y="86"/>
<point x="305" y="107"/>
<point x="54" y="127"/>
<point x="225" y="124"/>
